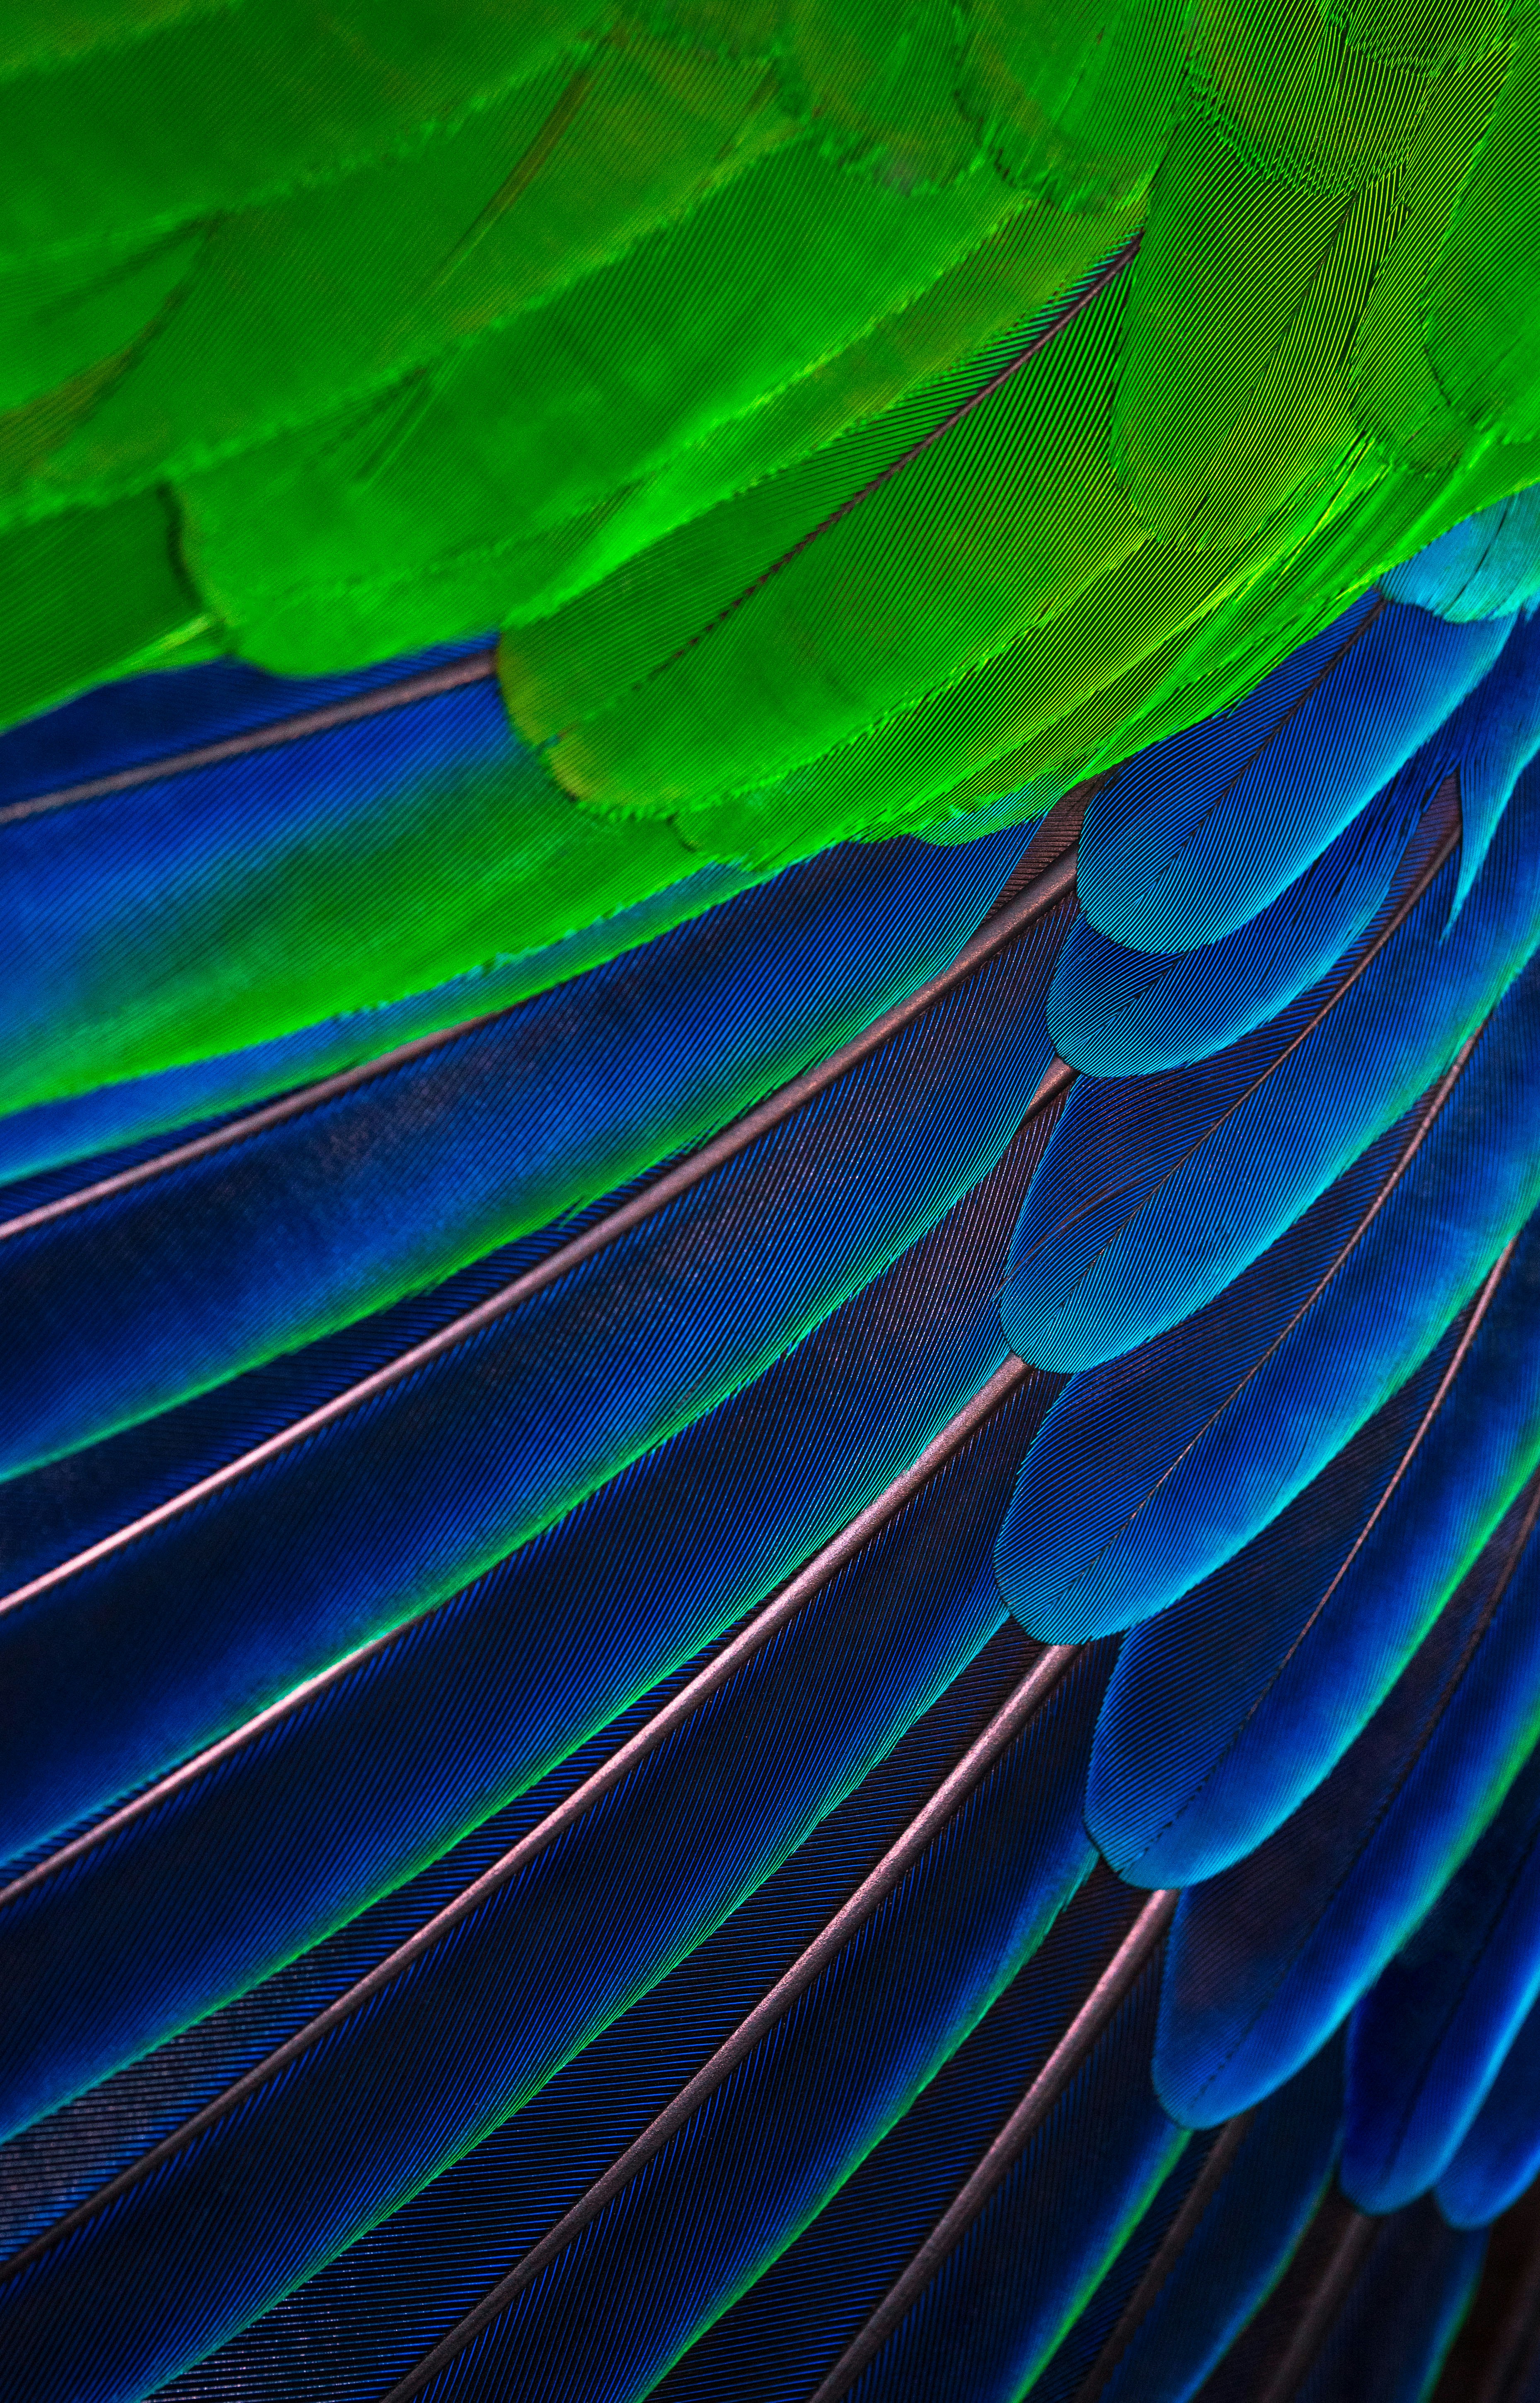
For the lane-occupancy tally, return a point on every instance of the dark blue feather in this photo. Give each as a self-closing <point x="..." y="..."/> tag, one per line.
<point x="789" y="2329"/>
<point x="1428" y="2039"/>
<point x="376" y="2309"/>
<point x="135" y="1117"/>
<point x="189" y="1897"/>
<point x="181" y="2261"/>
<point x="1118" y="1012"/>
<point x="1204" y="831"/>
<point x="1498" y="2157"/>
<point x="1153" y="1471"/>
<point x="1158" y="1190"/>
<point x="1266" y="1959"/>
<point x="1302" y="1633"/>
<point x="1239" y="2249"/>
<point x="292" y="1225"/>
<point x="998" y="2307"/>
<point x="135" y="1659"/>
<point x="1389" y="2341"/>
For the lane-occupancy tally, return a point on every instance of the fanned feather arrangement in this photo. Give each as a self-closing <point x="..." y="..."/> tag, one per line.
<point x="770" y="1201"/>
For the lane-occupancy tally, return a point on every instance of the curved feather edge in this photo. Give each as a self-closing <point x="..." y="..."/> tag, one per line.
<point x="1429" y="2039"/>
<point x="1266" y="1959"/>
<point x="1158" y="1190"/>
<point x="1200" y="832"/>
<point x="1305" y="1630"/>
<point x="1153" y="1469"/>
<point x="1117" y="1012"/>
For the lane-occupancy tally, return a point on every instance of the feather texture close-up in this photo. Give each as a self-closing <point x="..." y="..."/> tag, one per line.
<point x="770" y="1201"/>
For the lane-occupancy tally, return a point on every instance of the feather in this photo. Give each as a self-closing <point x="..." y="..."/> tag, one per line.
<point x="1224" y="2250"/>
<point x="1394" y="2330"/>
<point x="227" y="1868"/>
<point x="1500" y="2152"/>
<point x="1200" y="832"/>
<point x="397" y="835"/>
<point x="1367" y="2308"/>
<point x="998" y="2277"/>
<point x="1304" y="1631"/>
<point x="1152" y="1471"/>
<point x="1429" y="2036"/>
<point x="788" y="2330"/>
<point x="311" y="1557"/>
<point x="1118" y="1013"/>
<point x="1013" y="1797"/>
<point x="292" y="1220"/>
<point x="1158" y="1190"/>
<point x="122" y="1123"/>
<point x="1485" y="566"/>
<point x="1266" y="1959"/>
<point x="376" y="2312"/>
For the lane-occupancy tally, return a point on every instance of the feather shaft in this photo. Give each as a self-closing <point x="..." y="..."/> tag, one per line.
<point x="1003" y="1727"/>
<point x="1121" y="1973"/>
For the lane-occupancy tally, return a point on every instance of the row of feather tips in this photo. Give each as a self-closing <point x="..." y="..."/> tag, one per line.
<point x="546" y="1856"/>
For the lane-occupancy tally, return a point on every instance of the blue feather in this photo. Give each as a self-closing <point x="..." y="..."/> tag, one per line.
<point x="1378" y="2337"/>
<point x="1389" y="2341"/>
<point x="788" y="2330"/>
<point x="1483" y="567"/>
<point x="1266" y="1959"/>
<point x="1428" y="2039"/>
<point x="1118" y="1012"/>
<point x="1153" y="1471"/>
<point x="1000" y="2304"/>
<point x="375" y="2311"/>
<point x="185" y="2258"/>
<point x="1240" y="2247"/>
<point x="1157" y="1192"/>
<point x="134" y="1658"/>
<point x="281" y="1228"/>
<point x="1204" y="831"/>
<point x="294" y="1827"/>
<point x="1498" y="2157"/>
<point x="1302" y="1633"/>
<point x="131" y="1118"/>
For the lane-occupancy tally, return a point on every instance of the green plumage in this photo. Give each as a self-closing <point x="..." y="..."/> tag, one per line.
<point x="334" y="332"/>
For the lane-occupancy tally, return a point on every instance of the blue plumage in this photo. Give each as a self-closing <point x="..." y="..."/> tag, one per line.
<point x="1158" y="1191"/>
<point x="1266" y="1959"/>
<point x="346" y="2139"/>
<point x="287" y="1230"/>
<point x="1302" y="1633"/>
<point x="303" y="1822"/>
<point x="1204" y="831"/>
<point x="1229" y="2261"/>
<point x="998" y="2307"/>
<point x="1500" y="2156"/>
<point x="1429" y="2037"/>
<point x="1153" y="1471"/>
<point x="1118" y="1012"/>
<point x="1389" y="2341"/>
<point x="129" y="1662"/>
<point x="316" y="2039"/>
